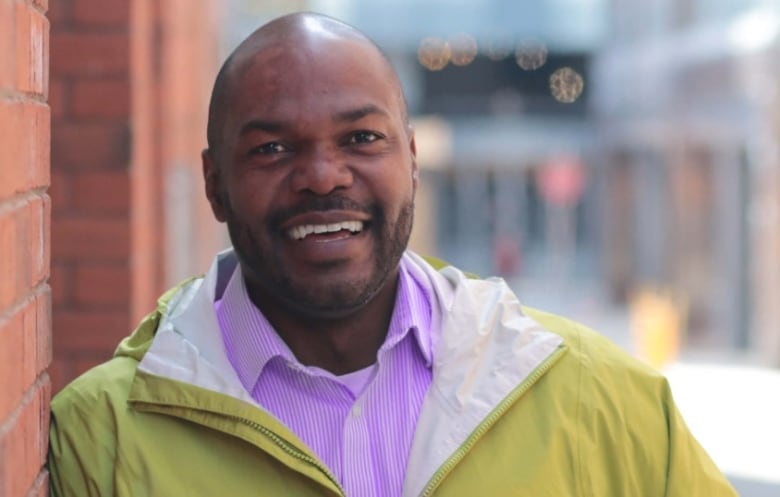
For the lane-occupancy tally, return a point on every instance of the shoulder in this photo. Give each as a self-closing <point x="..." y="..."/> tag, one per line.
<point x="103" y="384"/>
<point x="83" y="428"/>
<point x="597" y="357"/>
<point x="87" y="411"/>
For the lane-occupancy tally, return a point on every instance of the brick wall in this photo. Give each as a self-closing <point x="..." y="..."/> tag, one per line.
<point x="25" y="324"/>
<point x="129" y="86"/>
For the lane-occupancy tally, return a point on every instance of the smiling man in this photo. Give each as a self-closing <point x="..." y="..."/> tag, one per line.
<point x="319" y="356"/>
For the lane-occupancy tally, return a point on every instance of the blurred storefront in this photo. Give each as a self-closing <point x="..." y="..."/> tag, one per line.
<point x="687" y="110"/>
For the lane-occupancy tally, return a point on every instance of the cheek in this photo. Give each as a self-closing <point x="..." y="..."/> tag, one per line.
<point x="252" y="195"/>
<point x="396" y="181"/>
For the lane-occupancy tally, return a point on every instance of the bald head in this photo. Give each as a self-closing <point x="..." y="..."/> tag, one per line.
<point x="303" y="31"/>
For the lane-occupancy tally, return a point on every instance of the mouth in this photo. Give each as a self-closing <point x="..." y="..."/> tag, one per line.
<point x="326" y="231"/>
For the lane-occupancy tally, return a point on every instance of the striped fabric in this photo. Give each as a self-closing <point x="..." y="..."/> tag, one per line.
<point x="363" y="434"/>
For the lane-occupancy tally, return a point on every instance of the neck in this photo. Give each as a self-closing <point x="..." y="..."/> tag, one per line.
<point x="340" y="344"/>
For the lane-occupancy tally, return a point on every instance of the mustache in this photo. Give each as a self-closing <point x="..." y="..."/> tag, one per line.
<point x="320" y="204"/>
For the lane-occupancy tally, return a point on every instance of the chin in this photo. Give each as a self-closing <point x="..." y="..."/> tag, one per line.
<point x="330" y="297"/>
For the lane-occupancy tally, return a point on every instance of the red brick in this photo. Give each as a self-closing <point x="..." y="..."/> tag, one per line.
<point x="23" y="264"/>
<point x="46" y="268"/>
<point x="90" y="54"/>
<point x="41" y="486"/>
<point x="90" y="146"/>
<point x="16" y="262"/>
<point x="22" y="442"/>
<point x="7" y="46"/>
<point x="40" y="214"/>
<point x="44" y="347"/>
<point x="11" y="365"/>
<point x="24" y="146"/>
<point x="32" y="42"/>
<point x="44" y="392"/>
<point x="88" y="331"/>
<point x="102" y="12"/>
<point x="102" y="285"/>
<point x="30" y="337"/>
<point x="42" y="5"/>
<point x="86" y="239"/>
<point x="104" y="192"/>
<point x="9" y="249"/>
<point x="101" y="98"/>
<point x="20" y="351"/>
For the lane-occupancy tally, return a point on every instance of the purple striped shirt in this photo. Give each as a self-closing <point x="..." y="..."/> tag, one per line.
<point x="361" y="425"/>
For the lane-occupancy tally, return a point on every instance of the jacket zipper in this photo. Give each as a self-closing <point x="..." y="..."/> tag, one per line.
<point x="488" y="422"/>
<point x="290" y="449"/>
<point x="287" y="447"/>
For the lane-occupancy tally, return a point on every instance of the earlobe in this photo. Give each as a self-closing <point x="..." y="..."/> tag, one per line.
<point x="212" y="183"/>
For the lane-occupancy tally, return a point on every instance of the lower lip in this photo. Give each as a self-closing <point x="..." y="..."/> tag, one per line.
<point x="328" y="248"/>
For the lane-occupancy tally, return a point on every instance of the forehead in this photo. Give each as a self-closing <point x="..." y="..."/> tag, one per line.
<point x="294" y="78"/>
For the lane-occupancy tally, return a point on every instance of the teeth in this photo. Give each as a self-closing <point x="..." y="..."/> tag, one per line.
<point x="301" y="232"/>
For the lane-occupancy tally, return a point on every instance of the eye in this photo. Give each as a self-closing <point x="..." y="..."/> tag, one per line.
<point x="360" y="137"/>
<point x="269" y="148"/>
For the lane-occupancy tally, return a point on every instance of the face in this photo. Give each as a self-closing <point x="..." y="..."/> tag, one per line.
<point x="316" y="176"/>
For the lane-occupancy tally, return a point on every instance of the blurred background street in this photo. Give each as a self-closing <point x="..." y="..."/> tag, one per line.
<point x="616" y="161"/>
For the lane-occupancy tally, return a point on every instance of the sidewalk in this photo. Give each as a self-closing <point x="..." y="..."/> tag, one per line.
<point x="734" y="411"/>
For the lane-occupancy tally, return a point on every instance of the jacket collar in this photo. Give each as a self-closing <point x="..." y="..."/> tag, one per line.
<point x="487" y="348"/>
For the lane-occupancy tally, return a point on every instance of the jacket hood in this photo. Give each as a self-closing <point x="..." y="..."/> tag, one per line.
<point x="138" y="342"/>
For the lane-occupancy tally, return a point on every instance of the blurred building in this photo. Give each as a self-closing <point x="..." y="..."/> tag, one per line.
<point x="477" y="75"/>
<point x="686" y="97"/>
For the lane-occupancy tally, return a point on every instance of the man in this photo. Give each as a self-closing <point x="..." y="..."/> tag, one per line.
<point x="319" y="357"/>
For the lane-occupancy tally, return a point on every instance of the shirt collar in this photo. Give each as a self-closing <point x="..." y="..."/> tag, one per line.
<point x="251" y="342"/>
<point x="412" y="313"/>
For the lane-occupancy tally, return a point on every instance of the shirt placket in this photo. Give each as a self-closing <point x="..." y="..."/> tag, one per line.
<point x="357" y="460"/>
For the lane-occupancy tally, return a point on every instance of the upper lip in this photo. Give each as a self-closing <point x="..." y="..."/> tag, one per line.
<point x="323" y="217"/>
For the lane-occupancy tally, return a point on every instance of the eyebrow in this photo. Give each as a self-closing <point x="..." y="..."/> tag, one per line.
<point x="359" y="113"/>
<point x="351" y="115"/>
<point x="262" y="125"/>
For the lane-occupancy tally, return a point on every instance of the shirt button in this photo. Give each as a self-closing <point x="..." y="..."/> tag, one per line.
<point x="357" y="410"/>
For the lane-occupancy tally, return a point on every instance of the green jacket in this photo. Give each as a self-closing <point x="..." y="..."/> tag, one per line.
<point x="522" y="403"/>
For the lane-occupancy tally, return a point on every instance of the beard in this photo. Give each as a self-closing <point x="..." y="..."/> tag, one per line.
<point x="272" y="279"/>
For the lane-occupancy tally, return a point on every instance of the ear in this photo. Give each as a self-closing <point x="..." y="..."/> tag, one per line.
<point x="413" y="153"/>
<point x="213" y="183"/>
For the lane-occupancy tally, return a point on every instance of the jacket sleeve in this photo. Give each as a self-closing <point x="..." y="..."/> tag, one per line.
<point x="630" y="420"/>
<point x="690" y="471"/>
<point x="81" y="448"/>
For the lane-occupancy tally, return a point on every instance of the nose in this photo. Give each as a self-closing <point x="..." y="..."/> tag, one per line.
<point x="321" y="171"/>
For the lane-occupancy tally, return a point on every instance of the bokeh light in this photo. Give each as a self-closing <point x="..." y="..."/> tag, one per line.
<point x="531" y="54"/>
<point x="463" y="49"/>
<point x="498" y="47"/>
<point x="434" y="54"/>
<point x="566" y="85"/>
